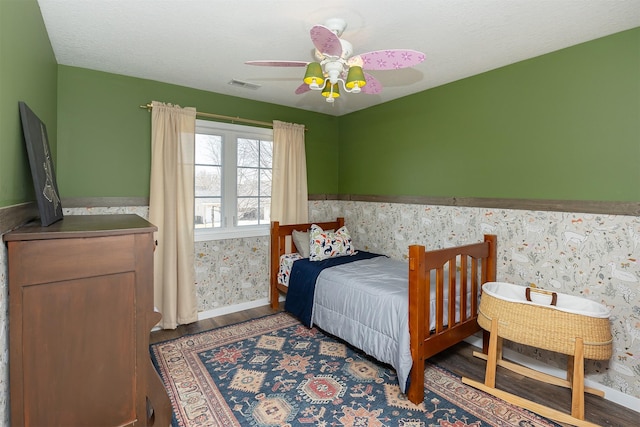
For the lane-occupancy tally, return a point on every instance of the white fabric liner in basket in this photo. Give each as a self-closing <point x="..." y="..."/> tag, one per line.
<point x="567" y="303"/>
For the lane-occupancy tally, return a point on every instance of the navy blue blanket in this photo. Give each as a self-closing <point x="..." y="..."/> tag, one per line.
<point x="302" y="282"/>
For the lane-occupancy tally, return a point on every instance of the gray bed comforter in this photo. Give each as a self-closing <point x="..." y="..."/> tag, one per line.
<point x="366" y="304"/>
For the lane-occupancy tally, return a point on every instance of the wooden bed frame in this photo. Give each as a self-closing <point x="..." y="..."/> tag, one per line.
<point x="423" y="341"/>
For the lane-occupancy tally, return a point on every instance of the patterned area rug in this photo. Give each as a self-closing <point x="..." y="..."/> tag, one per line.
<point x="274" y="371"/>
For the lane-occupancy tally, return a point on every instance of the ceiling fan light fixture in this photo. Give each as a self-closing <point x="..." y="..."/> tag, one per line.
<point x="334" y="64"/>
<point x="314" y="76"/>
<point x="355" y="79"/>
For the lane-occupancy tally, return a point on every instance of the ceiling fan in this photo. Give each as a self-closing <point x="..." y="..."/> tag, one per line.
<point x="334" y="63"/>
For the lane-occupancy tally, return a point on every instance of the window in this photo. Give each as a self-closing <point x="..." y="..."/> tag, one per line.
<point x="232" y="180"/>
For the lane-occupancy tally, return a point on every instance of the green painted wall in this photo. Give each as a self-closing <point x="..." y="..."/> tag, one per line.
<point x="104" y="148"/>
<point x="565" y="126"/>
<point x="27" y="73"/>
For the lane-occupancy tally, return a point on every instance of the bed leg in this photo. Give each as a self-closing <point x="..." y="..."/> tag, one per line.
<point x="275" y="304"/>
<point x="415" y="393"/>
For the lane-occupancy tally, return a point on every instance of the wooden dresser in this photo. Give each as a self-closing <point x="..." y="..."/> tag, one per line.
<point x="80" y="314"/>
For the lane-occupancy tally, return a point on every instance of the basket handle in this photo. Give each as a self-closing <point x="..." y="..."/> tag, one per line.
<point x="554" y="296"/>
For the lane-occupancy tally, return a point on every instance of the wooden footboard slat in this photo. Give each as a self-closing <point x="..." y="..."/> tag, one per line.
<point x="475" y="287"/>
<point x="453" y="277"/>
<point x="439" y="300"/>
<point x="464" y="288"/>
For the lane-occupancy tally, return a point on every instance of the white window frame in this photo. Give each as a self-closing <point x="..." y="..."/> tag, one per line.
<point x="230" y="133"/>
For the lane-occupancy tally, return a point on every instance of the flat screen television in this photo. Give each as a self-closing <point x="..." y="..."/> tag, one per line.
<point x="42" y="171"/>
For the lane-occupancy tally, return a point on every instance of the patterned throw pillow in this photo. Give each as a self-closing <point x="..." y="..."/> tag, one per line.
<point x="326" y="244"/>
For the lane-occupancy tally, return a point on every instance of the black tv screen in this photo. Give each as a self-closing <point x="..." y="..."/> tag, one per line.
<point x="42" y="171"/>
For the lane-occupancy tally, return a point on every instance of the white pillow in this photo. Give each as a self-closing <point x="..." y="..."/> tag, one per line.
<point x="327" y="244"/>
<point x="301" y="240"/>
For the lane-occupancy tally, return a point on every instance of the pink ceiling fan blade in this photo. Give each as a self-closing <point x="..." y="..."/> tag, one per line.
<point x="278" y="63"/>
<point x="391" y="59"/>
<point x="325" y="40"/>
<point x="302" y="89"/>
<point x="373" y="85"/>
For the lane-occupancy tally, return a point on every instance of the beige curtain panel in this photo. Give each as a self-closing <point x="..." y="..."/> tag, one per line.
<point x="171" y="210"/>
<point x="289" y="195"/>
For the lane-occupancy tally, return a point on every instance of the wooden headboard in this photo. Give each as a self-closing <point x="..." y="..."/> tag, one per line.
<point x="280" y="234"/>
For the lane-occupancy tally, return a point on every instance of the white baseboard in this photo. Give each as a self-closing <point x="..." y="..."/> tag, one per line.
<point x="610" y="394"/>
<point x="232" y="308"/>
<point x="208" y="314"/>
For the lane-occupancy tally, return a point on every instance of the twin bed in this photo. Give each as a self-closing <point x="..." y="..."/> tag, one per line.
<point x="395" y="311"/>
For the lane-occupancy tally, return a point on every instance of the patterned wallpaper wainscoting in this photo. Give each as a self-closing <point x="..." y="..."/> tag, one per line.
<point x="589" y="255"/>
<point x="231" y="272"/>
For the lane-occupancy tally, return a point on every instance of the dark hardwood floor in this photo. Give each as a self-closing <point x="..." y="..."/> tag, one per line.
<point x="460" y="360"/>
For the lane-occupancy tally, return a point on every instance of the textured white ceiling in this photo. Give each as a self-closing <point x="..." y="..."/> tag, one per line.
<point x="203" y="44"/>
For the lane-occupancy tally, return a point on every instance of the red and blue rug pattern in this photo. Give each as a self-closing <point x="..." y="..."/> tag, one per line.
<point x="274" y="371"/>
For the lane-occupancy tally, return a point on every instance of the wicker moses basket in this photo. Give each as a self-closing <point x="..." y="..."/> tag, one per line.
<point x="527" y="316"/>
<point x="551" y="321"/>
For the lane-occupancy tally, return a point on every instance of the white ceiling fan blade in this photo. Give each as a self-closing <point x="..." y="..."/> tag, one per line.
<point x="373" y="85"/>
<point x="392" y="59"/>
<point x="326" y="41"/>
<point x="302" y="89"/>
<point x="278" y="63"/>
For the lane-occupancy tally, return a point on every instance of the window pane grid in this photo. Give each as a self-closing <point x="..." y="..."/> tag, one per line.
<point x="233" y="176"/>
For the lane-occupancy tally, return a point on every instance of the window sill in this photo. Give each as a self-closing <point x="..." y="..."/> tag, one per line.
<point x="204" y="235"/>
